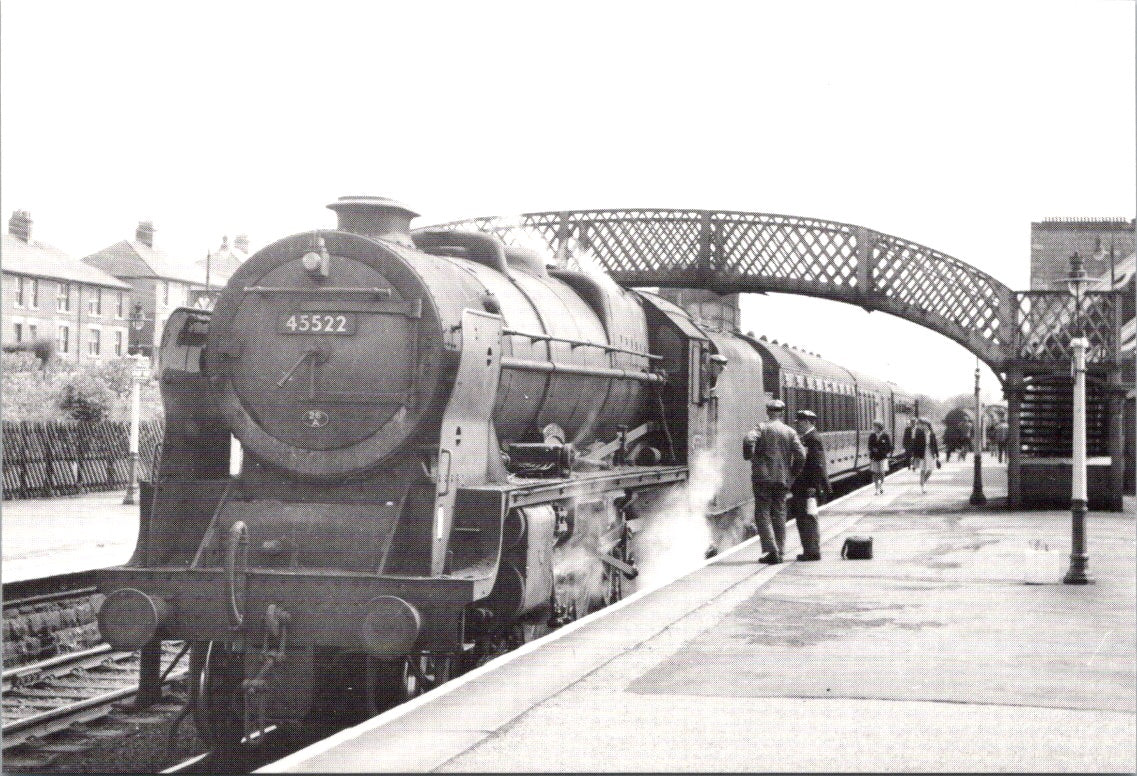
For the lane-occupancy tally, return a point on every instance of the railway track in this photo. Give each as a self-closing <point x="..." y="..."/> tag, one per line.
<point x="63" y="689"/>
<point x="79" y="696"/>
<point x="52" y="695"/>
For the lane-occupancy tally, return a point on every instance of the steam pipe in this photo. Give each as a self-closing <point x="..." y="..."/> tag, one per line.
<point x="581" y="343"/>
<point x="484" y="248"/>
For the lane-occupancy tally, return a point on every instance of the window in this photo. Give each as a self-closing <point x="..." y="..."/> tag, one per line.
<point x="63" y="301"/>
<point x="93" y="343"/>
<point x="34" y="293"/>
<point x="120" y="311"/>
<point x="95" y="303"/>
<point x="118" y="343"/>
<point x="33" y="332"/>
<point x="19" y="292"/>
<point x="63" y="339"/>
<point x="698" y="371"/>
<point x="18" y="329"/>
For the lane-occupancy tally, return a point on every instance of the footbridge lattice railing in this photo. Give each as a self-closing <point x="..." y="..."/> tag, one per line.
<point x="730" y="252"/>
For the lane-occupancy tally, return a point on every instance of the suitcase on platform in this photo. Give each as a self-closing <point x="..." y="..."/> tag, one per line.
<point x="857" y="548"/>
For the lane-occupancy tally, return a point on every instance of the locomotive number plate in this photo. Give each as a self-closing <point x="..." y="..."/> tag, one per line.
<point x="317" y="323"/>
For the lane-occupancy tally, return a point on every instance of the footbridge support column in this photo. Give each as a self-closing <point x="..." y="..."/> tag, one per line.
<point x="1115" y="417"/>
<point x="1013" y="393"/>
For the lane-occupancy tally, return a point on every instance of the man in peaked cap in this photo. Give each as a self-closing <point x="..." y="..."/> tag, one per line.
<point x="776" y="457"/>
<point x="813" y="481"/>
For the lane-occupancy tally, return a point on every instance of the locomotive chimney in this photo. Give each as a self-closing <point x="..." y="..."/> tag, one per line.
<point x="379" y="217"/>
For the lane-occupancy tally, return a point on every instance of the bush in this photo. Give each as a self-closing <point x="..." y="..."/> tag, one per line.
<point x="116" y="375"/>
<point x="33" y="390"/>
<point x="19" y="360"/>
<point x="87" y="398"/>
<point x="41" y="348"/>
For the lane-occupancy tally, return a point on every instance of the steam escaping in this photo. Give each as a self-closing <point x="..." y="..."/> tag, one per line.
<point x="524" y="238"/>
<point x="675" y="525"/>
<point x="579" y="577"/>
<point x="585" y="261"/>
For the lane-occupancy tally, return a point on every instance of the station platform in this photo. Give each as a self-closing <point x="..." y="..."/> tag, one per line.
<point x="934" y="656"/>
<point x="49" y="536"/>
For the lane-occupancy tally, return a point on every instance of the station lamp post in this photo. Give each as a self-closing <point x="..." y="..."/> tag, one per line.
<point x="138" y="373"/>
<point x="977" y="497"/>
<point x="1078" y="499"/>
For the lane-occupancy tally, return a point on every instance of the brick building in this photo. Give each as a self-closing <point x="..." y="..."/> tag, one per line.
<point x="1054" y="240"/>
<point x="48" y="295"/>
<point x="160" y="284"/>
<point x="1107" y="245"/>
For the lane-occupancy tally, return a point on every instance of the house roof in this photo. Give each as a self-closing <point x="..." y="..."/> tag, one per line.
<point x="134" y="259"/>
<point x="39" y="259"/>
<point x="223" y="262"/>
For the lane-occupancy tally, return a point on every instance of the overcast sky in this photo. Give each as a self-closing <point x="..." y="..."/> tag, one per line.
<point x="951" y="124"/>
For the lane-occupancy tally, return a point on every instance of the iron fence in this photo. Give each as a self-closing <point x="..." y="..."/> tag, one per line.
<point x="58" y="458"/>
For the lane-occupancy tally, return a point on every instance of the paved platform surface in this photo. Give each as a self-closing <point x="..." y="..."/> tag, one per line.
<point x="934" y="656"/>
<point x="45" y="537"/>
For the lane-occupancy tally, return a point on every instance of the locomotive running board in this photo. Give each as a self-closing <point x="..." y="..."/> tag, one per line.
<point x="585" y="484"/>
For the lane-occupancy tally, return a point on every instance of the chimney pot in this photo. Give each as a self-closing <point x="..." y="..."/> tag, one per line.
<point x="145" y="233"/>
<point x="20" y="225"/>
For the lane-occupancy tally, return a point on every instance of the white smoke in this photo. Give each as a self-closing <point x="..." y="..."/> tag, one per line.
<point x="579" y="576"/>
<point x="527" y="239"/>
<point x="675" y="530"/>
<point x="584" y="260"/>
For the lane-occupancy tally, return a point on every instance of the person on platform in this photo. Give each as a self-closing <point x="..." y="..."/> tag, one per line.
<point x="776" y="458"/>
<point x="925" y="451"/>
<point x="1001" y="433"/>
<point x="813" y="482"/>
<point x="909" y="431"/>
<point x="880" y="449"/>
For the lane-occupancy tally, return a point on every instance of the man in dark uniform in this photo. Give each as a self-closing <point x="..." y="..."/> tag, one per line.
<point x="908" y="432"/>
<point x="776" y="456"/>
<point x="813" y="480"/>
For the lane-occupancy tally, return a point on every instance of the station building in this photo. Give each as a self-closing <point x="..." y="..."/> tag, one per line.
<point x="1108" y="247"/>
<point x="53" y="297"/>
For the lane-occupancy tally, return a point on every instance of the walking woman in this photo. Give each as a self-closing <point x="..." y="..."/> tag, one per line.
<point x="880" y="449"/>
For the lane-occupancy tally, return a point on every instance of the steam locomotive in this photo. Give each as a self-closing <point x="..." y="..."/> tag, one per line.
<point x="448" y="449"/>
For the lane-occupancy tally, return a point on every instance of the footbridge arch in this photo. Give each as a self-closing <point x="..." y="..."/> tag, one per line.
<point x="740" y="252"/>
<point x="1024" y="336"/>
